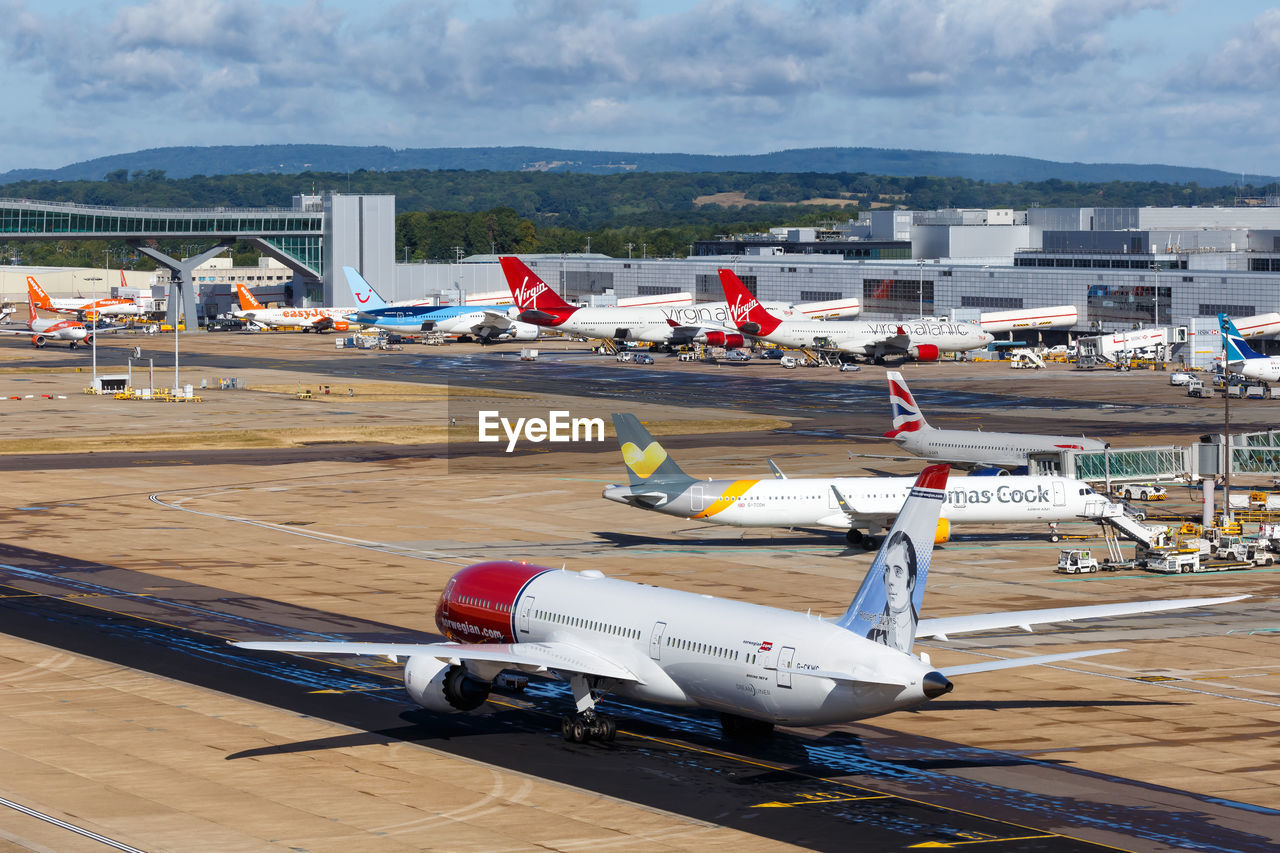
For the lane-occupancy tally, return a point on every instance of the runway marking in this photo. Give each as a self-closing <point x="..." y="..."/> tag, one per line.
<point x="18" y="807"/>
<point x="330" y="538"/>
<point x="814" y="799"/>
<point x="979" y="841"/>
<point x="871" y="793"/>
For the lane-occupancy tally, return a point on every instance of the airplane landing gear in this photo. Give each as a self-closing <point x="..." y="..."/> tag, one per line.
<point x="853" y="537"/>
<point x="870" y="543"/>
<point x="587" y="724"/>
<point x="580" y="728"/>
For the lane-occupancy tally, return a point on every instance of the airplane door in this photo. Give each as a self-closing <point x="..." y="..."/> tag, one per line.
<point x="1059" y="494"/>
<point x="699" y="500"/>
<point x="785" y="656"/>
<point x="655" y="640"/>
<point x="526" y="605"/>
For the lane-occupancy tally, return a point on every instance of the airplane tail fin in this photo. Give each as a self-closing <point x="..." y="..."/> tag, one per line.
<point x="248" y="302"/>
<point x="1234" y="343"/>
<point x="745" y="311"/>
<point x="646" y="460"/>
<point x="36" y="297"/>
<point x="907" y="416"/>
<point x="887" y="607"/>
<point x="529" y="291"/>
<point x="367" y="299"/>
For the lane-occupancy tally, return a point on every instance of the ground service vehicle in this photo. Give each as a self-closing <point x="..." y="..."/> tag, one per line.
<point x="1180" y="378"/>
<point x="1073" y="561"/>
<point x="1143" y="492"/>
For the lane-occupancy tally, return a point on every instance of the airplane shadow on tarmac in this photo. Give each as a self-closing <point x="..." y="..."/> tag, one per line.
<point x="798" y="537"/>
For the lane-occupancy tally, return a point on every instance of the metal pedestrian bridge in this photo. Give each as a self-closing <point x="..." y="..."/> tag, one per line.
<point x="292" y="236"/>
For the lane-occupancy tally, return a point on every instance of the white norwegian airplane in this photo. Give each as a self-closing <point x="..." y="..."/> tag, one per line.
<point x="43" y="330"/>
<point x="82" y="307"/>
<point x="1242" y="359"/>
<point x="851" y="504"/>
<point x="922" y="339"/>
<point x="965" y="447"/>
<point x="671" y="325"/>
<point x="757" y="666"/>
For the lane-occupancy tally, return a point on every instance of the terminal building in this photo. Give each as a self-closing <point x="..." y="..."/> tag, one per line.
<point x="1120" y="267"/>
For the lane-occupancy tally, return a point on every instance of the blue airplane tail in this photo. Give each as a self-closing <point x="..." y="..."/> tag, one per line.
<point x="367" y="299"/>
<point x="1234" y="343"/>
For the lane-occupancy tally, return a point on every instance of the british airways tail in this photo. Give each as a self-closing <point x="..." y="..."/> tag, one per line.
<point x="1234" y="343"/>
<point x="529" y="291"/>
<point x="907" y="417"/>
<point x="887" y="607"/>
<point x="367" y="299"/>
<point x="745" y="311"/>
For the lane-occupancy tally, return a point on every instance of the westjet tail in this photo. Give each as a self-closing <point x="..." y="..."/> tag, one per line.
<point x="1241" y="358"/>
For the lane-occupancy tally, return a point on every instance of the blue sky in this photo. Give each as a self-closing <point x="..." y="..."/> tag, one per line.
<point x="1149" y="81"/>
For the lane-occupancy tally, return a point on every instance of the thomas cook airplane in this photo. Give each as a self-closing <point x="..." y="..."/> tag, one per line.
<point x="757" y="666"/>
<point x="852" y="504"/>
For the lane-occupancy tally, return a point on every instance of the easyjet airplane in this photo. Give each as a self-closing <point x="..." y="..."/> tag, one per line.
<point x="43" y="330"/>
<point x="703" y="323"/>
<point x="82" y="307"/>
<point x="852" y="504"/>
<point x="757" y="666"/>
<point x="968" y="447"/>
<point x="310" y="319"/>
<point x="922" y="339"/>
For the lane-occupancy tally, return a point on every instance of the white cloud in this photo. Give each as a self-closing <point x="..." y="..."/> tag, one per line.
<point x="1052" y="78"/>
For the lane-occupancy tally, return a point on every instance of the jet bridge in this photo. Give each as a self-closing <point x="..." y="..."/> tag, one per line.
<point x="1113" y="465"/>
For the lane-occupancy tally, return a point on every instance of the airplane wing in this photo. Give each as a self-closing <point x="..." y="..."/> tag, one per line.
<point x="1011" y="663"/>
<point x="964" y="465"/>
<point x="532" y="657"/>
<point x="943" y="627"/>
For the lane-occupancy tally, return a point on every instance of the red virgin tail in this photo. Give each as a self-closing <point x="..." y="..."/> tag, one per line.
<point x="745" y="311"/>
<point x="529" y="291"/>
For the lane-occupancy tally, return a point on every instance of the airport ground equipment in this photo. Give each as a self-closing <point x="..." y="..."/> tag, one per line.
<point x="1026" y="359"/>
<point x="1073" y="561"/>
<point x="1143" y="492"/>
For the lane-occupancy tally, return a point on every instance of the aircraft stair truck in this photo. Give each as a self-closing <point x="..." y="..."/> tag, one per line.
<point x="1026" y="359"/>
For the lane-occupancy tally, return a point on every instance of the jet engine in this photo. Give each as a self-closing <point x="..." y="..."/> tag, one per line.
<point x="923" y="352"/>
<point x="38" y="340"/>
<point x="521" y="332"/>
<point x="943" y="533"/>
<point x="341" y="326"/>
<point x="442" y="687"/>
<point x="722" y="339"/>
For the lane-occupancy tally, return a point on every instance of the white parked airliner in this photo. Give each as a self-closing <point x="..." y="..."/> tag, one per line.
<point x="757" y="666"/>
<point x="658" y="324"/>
<point x="967" y="447"/>
<point x="923" y="339"/>
<point x="852" y="504"/>
<point x="1242" y="359"/>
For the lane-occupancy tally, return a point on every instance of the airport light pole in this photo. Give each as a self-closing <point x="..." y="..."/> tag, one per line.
<point x="93" y="335"/>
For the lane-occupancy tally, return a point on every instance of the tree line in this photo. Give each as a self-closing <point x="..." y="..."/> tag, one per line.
<point x="648" y="213"/>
